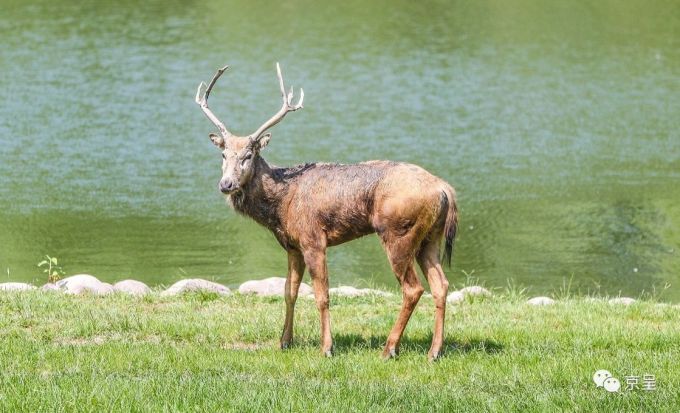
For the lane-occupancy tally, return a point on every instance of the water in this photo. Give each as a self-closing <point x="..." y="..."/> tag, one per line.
<point x="558" y="124"/>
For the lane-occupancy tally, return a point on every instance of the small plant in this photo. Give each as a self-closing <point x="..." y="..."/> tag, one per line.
<point x="565" y="291"/>
<point x="51" y="267"/>
<point x="514" y="292"/>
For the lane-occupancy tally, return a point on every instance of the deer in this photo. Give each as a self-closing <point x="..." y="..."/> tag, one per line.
<point x="313" y="206"/>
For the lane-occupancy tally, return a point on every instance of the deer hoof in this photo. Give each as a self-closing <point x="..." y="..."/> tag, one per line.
<point x="328" y="353"/>
<point x="434" y="356"/>
<point x="389" y="353"/>
<point x="285" y="345"/>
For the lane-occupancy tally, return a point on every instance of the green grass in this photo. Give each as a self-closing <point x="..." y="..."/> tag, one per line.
<point x="207" y="353"/>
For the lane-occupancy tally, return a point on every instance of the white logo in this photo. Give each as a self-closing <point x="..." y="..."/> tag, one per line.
<point x="612" y="384"/>
<point x="600" y="376"/>
<point x="604" y="379"/>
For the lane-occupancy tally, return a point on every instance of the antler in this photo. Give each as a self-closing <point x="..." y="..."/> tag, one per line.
<point x="285" y="108"/>
<point x="202" y="101"/>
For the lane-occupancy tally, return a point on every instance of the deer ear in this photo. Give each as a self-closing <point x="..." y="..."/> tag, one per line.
<point x="264" y="140"/>
<point x="217" y="140"/>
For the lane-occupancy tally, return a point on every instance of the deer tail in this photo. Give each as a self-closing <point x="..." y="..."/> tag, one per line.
<point x="451" y="224"/>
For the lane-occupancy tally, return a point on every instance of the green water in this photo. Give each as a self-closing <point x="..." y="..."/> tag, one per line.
<point x="557" y="122"/>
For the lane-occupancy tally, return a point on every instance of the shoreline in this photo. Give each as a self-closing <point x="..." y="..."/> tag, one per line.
<point x="85" y="284"/>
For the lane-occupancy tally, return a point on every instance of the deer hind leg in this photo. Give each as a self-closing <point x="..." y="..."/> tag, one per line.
<point x="400" y="252"/>
<point x="296" y="269"/>
<point x="428" y="259"/>
<point x="316" y="261"/>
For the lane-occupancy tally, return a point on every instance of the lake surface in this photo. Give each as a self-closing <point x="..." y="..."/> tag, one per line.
<point x="558" y="124"/>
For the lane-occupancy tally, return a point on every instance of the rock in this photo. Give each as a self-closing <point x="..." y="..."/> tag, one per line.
<point x="16" y="287"/>
<point x="541" y="301"/>
<point x="348" y="291"/>
<point x="305" y="289"/>
<point x="622" y="300"/>
<point x="271" y="286"/>
<point x="49" y="287"/>
<point x="84" y="283"/>
<point x="455" y="297"/>
<point x="476" y="291"/>
<point x="196" y="284"/>
<point x="473" y="291"/>
<point x="132" y="287"/>
<point x="380" y="293"/>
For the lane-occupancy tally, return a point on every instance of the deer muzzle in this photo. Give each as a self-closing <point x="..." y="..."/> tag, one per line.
<point x="227" y="186"/>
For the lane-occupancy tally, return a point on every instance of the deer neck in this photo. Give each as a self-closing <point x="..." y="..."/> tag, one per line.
<point x="261" y="198"/>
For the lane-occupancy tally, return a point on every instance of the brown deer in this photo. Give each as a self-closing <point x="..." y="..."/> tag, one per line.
<point x="314" y="206"/>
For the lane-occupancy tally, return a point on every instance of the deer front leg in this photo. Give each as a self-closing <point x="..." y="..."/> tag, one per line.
<point x="316" y="261"/>
<point x="296" y="269"/>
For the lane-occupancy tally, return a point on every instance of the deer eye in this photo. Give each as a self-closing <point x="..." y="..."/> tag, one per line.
<point x="224" y="156"/>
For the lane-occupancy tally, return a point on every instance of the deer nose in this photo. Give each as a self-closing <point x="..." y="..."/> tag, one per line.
<point x="227" y="186"/>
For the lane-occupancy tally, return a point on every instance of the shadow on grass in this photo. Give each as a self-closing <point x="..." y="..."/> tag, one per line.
<point x="343" y="343"/>
<point x="475" y="345"/>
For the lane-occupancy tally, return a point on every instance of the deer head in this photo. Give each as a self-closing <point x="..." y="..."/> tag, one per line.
<point x="239" y="153"/>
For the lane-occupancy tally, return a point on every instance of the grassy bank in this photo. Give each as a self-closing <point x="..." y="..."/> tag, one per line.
<point x="208" y="353"/>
